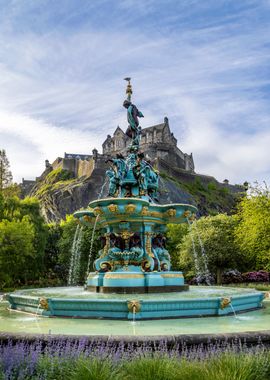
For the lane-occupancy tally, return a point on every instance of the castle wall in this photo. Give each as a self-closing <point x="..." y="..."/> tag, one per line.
<point x="79" y="168"/>
<point x="85" y="168"/>
<point x="58" y="163"/>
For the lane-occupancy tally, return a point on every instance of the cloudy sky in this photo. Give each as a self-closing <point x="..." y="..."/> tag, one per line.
<point x="204" y="64"/>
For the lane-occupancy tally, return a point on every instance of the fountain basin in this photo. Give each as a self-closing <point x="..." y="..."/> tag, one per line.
<point x="215" y="301"/>
<point x="113" y="210"/>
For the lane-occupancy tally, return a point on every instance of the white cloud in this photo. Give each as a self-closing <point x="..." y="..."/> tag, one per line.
<point x="62" y="89"/>
<point x="30" y="141"/>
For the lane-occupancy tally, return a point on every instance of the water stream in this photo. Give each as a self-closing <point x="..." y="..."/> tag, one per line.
<point x="75" y="259"/>
<point x="102" y="188"/>
<point x="195" y="254"/>
<point x="164" y="189"/>
<point x="91" y="245"/>
<point x="206" y="271"/>
<point x="234" y="313"/>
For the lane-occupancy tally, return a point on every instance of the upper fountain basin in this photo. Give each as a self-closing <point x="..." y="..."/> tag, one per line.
<point x="111" y="210"/>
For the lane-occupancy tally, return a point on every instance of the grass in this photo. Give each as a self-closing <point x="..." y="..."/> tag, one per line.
<point x="263" y="287"/>
<point x="226" y="366"/>
<point x="209" y="194"/>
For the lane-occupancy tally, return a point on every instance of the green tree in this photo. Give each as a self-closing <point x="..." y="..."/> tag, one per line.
<point x="217" y="236"/>
<point x="13" y="209"/>
<point x="16" y="251"/>
<point x="175" y="235"/>
<point x="5" y="173"/>
<point x="253" y="231"/>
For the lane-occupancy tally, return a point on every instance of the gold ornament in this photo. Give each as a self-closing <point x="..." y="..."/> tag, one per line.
<point x="225" y="302"/>
<point x="126" y="234"/>
<point x="134" y="306"/>
<point x="87" y="218"/>
<point x="186" y="213"/>
<point x="43" y="303"/>
<point x="112" y="208"/>
<point x="98" y="211"/>
<point x="148" y="243"/>
<point x="145" y="211"/>
<point x="130" y="208"/>
<point x="171" y="212"/>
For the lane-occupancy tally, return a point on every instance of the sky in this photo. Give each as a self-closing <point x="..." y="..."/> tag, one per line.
<point x="203" y="64"/>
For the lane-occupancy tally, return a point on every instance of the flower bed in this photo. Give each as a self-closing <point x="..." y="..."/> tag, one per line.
<point x="85" y="359"/>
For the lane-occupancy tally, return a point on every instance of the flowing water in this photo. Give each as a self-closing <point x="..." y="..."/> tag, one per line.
<point x="206" y="271"/>
<point x="75" y="259"/>
<point x="195" y="254"/>
<point x="102" y="188"/>
<point x="91" y="245"/>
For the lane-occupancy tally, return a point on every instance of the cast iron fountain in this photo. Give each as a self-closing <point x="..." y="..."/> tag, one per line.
<point x="134" y="261"/>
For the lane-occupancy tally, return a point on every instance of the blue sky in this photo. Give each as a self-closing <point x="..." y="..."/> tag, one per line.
<point x="204" y="64"/>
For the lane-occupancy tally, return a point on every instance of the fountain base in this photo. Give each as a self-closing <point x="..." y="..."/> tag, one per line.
<point x="138" y="290"/>
<point x="136" y="281"/>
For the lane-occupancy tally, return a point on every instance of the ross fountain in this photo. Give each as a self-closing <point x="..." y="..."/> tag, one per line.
<point x="132" y="277"/>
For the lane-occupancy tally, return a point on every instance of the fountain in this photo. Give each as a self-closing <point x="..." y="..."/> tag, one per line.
<point x="132" y="277"/>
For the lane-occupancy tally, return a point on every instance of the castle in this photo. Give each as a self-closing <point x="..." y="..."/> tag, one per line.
<point x="157" y="142"/>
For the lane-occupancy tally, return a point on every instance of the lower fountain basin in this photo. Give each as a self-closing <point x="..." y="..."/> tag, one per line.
<point x="77" y="303"/>
<point x="21" y="325"/>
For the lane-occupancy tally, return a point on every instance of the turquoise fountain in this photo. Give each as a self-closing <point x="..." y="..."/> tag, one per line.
<point x="132" y="275"/>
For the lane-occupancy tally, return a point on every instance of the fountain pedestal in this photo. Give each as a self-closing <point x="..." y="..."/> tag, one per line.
<point x="134" y="258"/>
<point x="136" y="282"/>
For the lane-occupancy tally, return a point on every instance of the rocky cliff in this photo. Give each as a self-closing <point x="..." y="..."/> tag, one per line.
<point x="60" y="194"/>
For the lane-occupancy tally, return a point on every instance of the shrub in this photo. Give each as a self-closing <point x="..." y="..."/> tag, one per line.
<point x="203" y="279"/>
<point x="232" y="276"/>
<point x="260" y="276"/>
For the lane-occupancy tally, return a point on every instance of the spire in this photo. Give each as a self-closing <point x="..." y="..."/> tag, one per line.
<point x="129" y="89"/>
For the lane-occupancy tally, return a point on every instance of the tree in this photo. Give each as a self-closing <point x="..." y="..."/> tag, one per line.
<point x="175" y="235"/>
<point x="15" y="210"/>
<point x="217" y="236"/>
<point x="5" y="173"/>
<point x="16" y="251"/>
<point x="253" y="231"/>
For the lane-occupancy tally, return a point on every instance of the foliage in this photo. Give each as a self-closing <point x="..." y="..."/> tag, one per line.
<point x="260" y="276"/>
<point x="13" y="190"/>
<point x="54" y="180"/>
<point x="58" y="175"/>
<point x="71" y="360"/>
<point x="253" y="230"/>
<point x="232" y="276"/>
<point x="24" y="235"/>
<point x="175" y="235"/>
<point x="217" y="236"/>
<point x="5" y="173"/>
<point x="17" y="251"/>
<point x="210" y="197"/>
